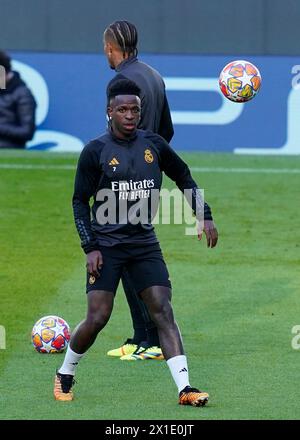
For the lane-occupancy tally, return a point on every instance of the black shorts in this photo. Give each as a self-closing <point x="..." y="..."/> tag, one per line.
<point x="144" y="263"/>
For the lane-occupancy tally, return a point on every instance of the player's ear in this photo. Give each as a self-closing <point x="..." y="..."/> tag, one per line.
<point x="109" y="112"/>
<point x="109" y="48"/>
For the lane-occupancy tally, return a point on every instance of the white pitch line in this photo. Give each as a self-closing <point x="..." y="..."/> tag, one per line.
<point x="15" y="166"/>
<point x="11" y="166"/>
<point x="246" y="170"/>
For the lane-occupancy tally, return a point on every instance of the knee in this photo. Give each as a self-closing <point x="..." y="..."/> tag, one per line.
<point x="162" y="314"/>
<point x="97" y="321"/>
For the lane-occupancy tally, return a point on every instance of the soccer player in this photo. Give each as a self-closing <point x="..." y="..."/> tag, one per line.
<point x="126" y="164"/>
<point x="120" y="47"/>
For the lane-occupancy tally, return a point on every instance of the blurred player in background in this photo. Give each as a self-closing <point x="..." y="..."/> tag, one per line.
<point x="139" y="157"/>
<point x="120" y="46"/>
<point x="17" y="109"/>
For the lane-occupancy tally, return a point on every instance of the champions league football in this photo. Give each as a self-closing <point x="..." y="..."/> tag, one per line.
<point x="50" y="334"/>
<point x="240" y="81"/>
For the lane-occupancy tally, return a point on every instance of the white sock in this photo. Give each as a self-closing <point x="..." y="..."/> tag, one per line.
<point x="70" y="362"/>
<point x="179" y="370"/>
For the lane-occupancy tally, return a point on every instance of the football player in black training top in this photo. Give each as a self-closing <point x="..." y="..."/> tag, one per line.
<point x="121" y="170"/>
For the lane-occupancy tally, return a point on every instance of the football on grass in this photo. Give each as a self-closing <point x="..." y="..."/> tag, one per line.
<point x="240" y="81"/>
<point x="50" y="334"/>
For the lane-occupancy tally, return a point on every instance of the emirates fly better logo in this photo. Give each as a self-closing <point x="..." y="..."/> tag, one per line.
<point x="140" y="202"/>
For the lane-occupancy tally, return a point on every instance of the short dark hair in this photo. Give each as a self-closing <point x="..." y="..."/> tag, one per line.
<point x="123" y="87"/>
<point x="5" y="61"/>
<point x="125" y="35"/>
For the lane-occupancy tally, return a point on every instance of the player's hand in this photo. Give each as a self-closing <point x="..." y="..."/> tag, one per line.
<point x="210" y="231"/>
<point x="94" y="263"/>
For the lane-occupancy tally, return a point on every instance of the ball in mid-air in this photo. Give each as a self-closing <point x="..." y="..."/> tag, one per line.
<point x="50" y="334"/>
<point x="240" y="81"/>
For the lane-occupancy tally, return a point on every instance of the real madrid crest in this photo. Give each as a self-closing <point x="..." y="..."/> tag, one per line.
<point x="148" y="156"/>
<point x="92" y="279"/>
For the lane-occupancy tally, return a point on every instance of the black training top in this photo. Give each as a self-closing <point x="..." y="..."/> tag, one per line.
<point x="155" y="114"/>
<point x="125" y="174"/>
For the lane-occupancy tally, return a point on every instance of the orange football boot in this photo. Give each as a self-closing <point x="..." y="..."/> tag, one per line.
<point x="193" y="397"/>
<point x="62" y="387"/>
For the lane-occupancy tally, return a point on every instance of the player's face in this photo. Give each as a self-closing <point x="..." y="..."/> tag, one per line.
<point x="125" y="112"/>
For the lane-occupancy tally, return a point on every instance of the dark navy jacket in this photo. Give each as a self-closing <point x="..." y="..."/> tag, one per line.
<point x="17" y="114"/>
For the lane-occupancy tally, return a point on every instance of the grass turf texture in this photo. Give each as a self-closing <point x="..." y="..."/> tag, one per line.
<point x="235" y="304"/>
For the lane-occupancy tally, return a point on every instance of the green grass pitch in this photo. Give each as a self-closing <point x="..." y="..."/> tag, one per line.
<point x="236" y="304"/>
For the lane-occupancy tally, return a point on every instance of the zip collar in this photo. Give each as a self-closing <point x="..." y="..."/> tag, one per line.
<point x="122" y="141"/>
